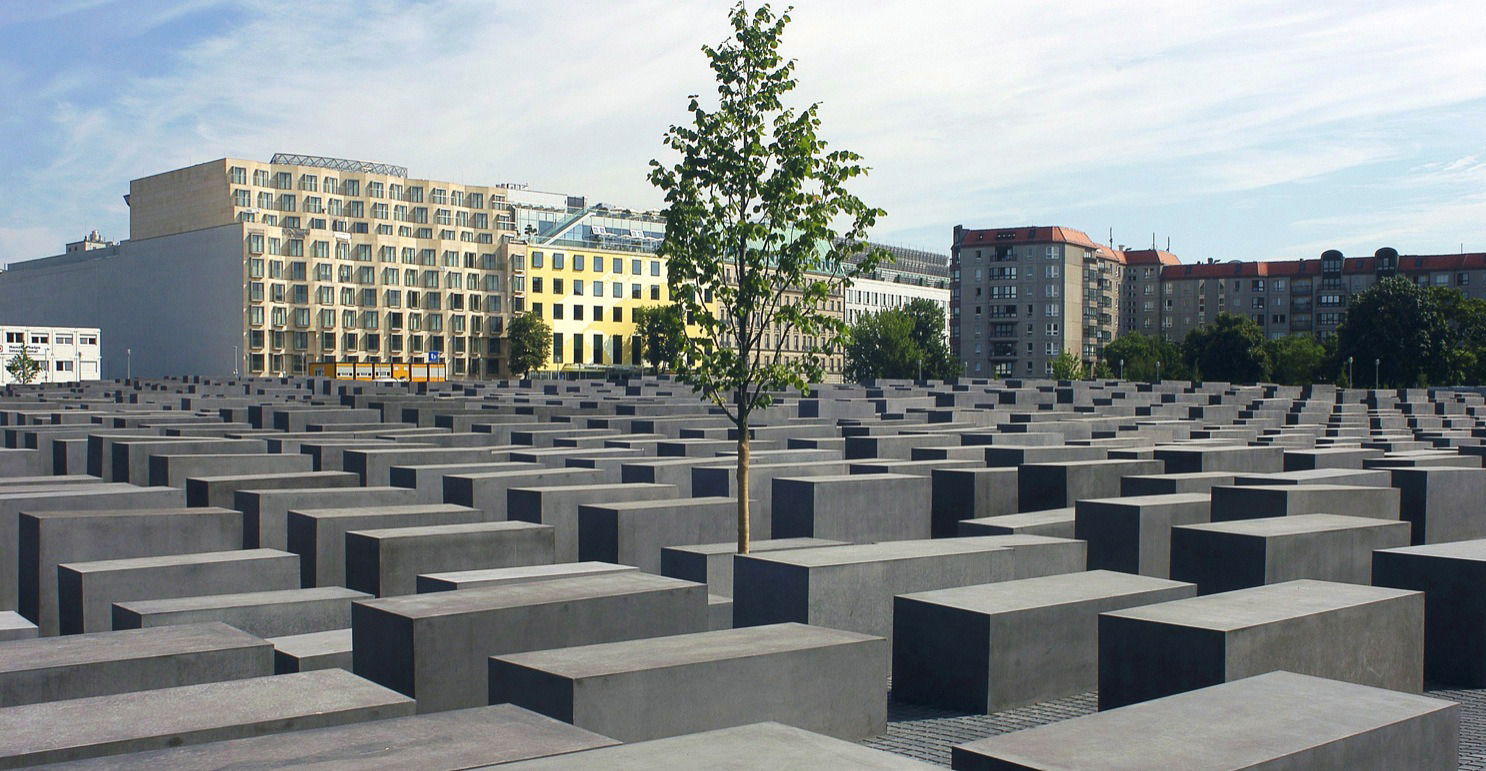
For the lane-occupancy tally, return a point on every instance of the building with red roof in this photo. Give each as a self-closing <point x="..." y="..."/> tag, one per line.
<point x="1020" y="296"/>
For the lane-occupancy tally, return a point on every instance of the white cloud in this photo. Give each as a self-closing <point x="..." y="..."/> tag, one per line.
<point x="973" y="112"/>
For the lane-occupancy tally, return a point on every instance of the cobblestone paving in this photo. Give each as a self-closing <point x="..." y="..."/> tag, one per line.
<point x="928" y="733"/>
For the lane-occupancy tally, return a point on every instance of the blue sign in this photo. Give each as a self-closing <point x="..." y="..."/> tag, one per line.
<point x="433" y="357"/>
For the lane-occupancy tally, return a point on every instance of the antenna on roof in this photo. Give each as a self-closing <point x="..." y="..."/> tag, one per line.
<point x="1168" y="243"/>
<point x="1153" y="240"/>
<point x="1111" y="237"/>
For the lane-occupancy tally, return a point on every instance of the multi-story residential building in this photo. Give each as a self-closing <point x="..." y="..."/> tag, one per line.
<point x="62" y="354"/>
<point x="243" y="267"/>
<point x="1002" y="304"/>
<point x="1019" y="297"/>
<point x="911" y="274"/>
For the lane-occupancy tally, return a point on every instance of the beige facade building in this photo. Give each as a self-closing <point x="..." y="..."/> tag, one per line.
<point x="260" y="268"/>
<point x="62" y="354"/>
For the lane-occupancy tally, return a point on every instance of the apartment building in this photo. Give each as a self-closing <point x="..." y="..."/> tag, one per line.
<point x="63" y="354"/>
<point x="1019" y="297"/>
<point x="237" y="266"/>
<point x="1006" y="289"/>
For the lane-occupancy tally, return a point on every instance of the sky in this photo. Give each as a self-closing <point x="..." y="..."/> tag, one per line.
<point x="1236" y="130"/>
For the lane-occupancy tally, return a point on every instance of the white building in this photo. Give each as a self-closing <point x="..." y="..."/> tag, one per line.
<point x="66" y="354"/>
<point x="911" y="275"/>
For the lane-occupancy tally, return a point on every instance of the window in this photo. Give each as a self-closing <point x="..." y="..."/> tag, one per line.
<point x="1051" y="271"/>
<point x="655" y="267"/>
<point x="617" y="287"/>
<point x="1052" y="329"/>
<point x="557" y="310"/>
<point x="260" y="177"/>
<point x="577" y="312"/>
<point x="557" y="347"/>
<point x="1049" y="290"/>
<point x="598" y="263"/>
<point x="655" y="291"/>
<point x="536" y="259"/>
<point x="255" y="243"/>
<point x="577" y="284"/>
<point x="558" y="258"/>
<point x="1051" y="310"/>
<point x="634" y="267"/>
<point x="577" y="262"/>
<point x="634" y="291"/>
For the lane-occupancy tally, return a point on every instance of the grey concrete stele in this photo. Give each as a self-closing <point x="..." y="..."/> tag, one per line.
<point x="819" y="679"/>
<point x="1223" y="556"/>
<point x="1367" y="635"/>
<point x="449" y="741"/>
<point x="1278" y="721"/>
<point x="993" y="647"/>
<point x="387" y="562"/>
<point x="192" y="714"/>
<point x="1451" y="576"/>
<point x="433" y="647"/>
<point x="761" y="746"/>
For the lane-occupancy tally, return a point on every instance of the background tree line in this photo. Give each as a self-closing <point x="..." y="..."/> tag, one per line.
<point x="1395" y="334"/>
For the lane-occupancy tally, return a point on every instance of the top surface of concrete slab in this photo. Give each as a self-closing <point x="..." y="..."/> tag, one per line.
<point x="1044" y="591"/>
<point x="1260" y="605"/>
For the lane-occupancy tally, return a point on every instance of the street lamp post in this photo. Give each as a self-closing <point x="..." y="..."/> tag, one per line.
<point x="1122" y="369"/>
<point x="128" y="363"/>
<point x="1158" y="370"/>
<point x="1377" y="369"/>
<point x="1350" y="384"/>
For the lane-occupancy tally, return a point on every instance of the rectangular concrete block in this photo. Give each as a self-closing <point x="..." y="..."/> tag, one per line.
<point x="1360" y="634"/>
<point x="712" y="563"/>
<point x="634" y="532"/>
<point x="318" y="536"/>
<point x="476" y="579"/>
<point x="819" y="679"/>
<point x="86" y="591"/>
<point x="557" y="507"/>
<point x="192" y="714"/>
<point x="991" y="647"/>
<point x="308" y="652"/>
<point x="764" y="745"/>
<point x="963" y="494"/>
<point x="266" y="512"/>
<point x="1442" y="504"/>
<point x="386" y="562"/>
<point x="448" y="741"/>
<point x="1450" y="575"/>
<point x="52" y="538"/>
<point x="72" y="498"/>
<point x="488" y="491"/>
<point x="1043" y="486"/>
<point x="1223" y="556"/>
<point x="1058" y="523"/>
<point x="433" y="647"/>
<point x="265" y="614"/>
<point x="1261" y="501"/>
<point x="721" y="481"/>
<point x="852" y="587"/>
<point x="14" y="626"/>
<point x="1133" y="534"/>
<point x="173" y="470"/>
<point x="1278" y="721"/>
<point x="859" y="508"/>
<point x="80" y="666"/>
<point x="1238" y="459"/>
<point x="220" y="491"/>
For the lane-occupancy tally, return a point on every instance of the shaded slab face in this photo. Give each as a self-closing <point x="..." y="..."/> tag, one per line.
<point x="1368" y="635"/>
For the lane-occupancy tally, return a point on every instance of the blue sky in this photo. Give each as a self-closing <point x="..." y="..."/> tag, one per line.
<point x="1247" y="130"/>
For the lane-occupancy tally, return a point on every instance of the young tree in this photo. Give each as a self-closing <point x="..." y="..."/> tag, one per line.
<point x="1397" y="327"/>
<point x="752" y="206"/>
<point x="1231" y="349"/>
<point x="1068" y="367"/>
<point x="662" y="331"/>
<point x="22" y="368"/>
<point x="530" y="341"/>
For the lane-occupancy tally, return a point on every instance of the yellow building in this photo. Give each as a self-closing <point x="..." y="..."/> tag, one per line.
<point x="242" y="267"/>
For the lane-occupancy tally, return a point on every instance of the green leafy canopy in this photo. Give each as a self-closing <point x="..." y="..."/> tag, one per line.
<point x="752" y="204"/>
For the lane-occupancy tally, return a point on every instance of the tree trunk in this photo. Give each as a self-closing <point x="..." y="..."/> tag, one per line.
<point x="743" y="530"/>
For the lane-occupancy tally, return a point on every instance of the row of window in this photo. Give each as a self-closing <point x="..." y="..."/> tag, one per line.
<point x="615" y="264"/>
<point x="311" y="183"/>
